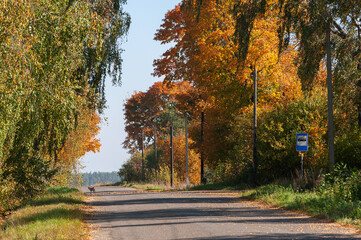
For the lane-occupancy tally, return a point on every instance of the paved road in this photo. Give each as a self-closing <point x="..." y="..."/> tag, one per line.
<point x="124" y="213"/>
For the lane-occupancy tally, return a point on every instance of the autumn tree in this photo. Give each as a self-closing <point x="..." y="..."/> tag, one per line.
<point x="80" y="141"/>
<point x="310" y="22"/>
<point x="144" y="111"/>
<point x="210" y="53"/>
<point x="54" y="58"/>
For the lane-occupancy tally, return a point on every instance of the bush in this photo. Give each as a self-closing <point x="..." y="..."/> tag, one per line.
<point x="343" y="183"/>
<point x="276" y="137"/>
<point x="348" y="147"/>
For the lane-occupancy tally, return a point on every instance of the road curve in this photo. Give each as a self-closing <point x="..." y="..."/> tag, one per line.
<point x="125" y="213"/>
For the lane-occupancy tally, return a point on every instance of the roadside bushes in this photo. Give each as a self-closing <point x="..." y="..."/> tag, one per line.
<point x="348" y="147"/>
<point x="277" y="134"/>
<point x="337" y="196"/>
<point x="343" y="183"/>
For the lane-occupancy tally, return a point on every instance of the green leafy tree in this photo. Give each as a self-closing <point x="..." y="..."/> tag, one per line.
<point x="53" y="59"/>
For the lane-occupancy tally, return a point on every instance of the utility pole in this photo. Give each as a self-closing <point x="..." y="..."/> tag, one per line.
<point x="186" y="143"/>
<point x="255" y="163"/>
<point x="143" y="176"/>
<point x="155" y="148"/>
<point x="203" y="179"/>
<point x="171" y="156"/>
<point x="331" y="148"/>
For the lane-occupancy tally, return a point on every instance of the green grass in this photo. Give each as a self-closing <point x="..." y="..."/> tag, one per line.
<point x="313" y="203"/>
<point x="208" y="186"/>
<point x="56" y="214"/>
<point x="219" y="186"/>
<point x="144" y="186"/>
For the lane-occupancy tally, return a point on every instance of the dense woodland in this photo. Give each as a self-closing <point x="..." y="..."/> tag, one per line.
<point x="218" y="48"/>
<point x="54" y="58"/>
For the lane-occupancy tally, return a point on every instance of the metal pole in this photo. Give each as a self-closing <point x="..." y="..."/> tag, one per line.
<point x="186" y="142"/>
<point x="331" y="148"/>
<point x="302" y="164"/>
<point x="255" y="163"/>
<point x="171" y="156"/>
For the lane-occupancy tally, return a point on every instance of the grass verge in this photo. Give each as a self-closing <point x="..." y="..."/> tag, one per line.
<point x="313" y="203"/>
<point x="208" y="186"/>
<point x="144" y="186"/>
<point x="219" y="186"/>
<point x="56" y="214"/>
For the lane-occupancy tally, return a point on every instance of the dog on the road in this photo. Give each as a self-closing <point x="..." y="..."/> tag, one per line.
<point x="91" y="189"/>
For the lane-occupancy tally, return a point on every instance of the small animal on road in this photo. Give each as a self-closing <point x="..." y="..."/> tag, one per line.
<point x="91" y="189"/>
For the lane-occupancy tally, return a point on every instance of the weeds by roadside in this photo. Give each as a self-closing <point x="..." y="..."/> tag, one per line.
<point x="219" y="186"/>
<point x="56" y="214"/>
<point x="143" y="186"/>
<point x="335" y="197"/>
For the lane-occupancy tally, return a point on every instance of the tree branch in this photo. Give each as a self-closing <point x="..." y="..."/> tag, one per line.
<point x="358" y="25"/>
<point x="340" y="32"/>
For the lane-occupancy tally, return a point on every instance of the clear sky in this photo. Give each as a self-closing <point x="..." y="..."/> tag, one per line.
<point x="140" y="51"/>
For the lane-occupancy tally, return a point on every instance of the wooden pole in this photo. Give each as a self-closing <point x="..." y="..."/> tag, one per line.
<point x="331" y="148"/>
<point x="255" y="162"/>
<point x="155" y="148"/>
<point x="171" y="157"/>
<point x="203" y="179"/>
<point x="186" y="143"/>
<point x="143" y="175"/>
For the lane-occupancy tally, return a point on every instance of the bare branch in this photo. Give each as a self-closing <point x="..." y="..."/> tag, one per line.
<point x="340" y="32"/>
<point x="358" y="25"/>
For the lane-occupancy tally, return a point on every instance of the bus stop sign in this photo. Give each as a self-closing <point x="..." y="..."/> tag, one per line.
<point x="301" y="142"/>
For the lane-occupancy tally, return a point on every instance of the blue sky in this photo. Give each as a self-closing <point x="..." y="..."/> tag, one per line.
<point x="140" y="51"/>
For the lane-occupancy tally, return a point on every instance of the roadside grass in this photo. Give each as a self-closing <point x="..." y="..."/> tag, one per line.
<point x="310" y="202"/>
<point x="219" y="186"/>
<point x="56" y="214"/>
<point x="144" y="186"/>
<point x="180" y="187"/>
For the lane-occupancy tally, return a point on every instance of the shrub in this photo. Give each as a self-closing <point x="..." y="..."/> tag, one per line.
<point x="277" y="133"/>
<point x="343" y="183"/>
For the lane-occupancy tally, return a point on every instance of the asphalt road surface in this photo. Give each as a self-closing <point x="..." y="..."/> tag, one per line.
<point x="125" y="213"/>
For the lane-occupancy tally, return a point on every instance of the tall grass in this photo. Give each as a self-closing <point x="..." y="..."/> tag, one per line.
<point x="57" y="214"/>
<point x="335" y="197"/>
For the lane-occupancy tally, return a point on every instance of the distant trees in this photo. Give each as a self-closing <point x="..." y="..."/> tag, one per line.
<point x="153" y="112"/>
<point x="92" y="178"/>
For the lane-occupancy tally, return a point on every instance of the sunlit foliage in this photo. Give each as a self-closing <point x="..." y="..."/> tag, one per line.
<point x="54" y="57"/>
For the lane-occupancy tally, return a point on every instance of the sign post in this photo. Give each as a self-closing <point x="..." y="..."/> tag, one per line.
<point x="301" y="146"/>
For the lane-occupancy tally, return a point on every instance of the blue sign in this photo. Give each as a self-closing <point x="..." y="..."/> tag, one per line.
<point x="301" y="142"/>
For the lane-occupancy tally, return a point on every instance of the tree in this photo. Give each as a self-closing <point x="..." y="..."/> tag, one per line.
<point x="53" y="57"/>
<point x="146" y="110"/>
<point x="80" y="141"/>
<point x="312" y="21"/>
<point x="215" y="43"/>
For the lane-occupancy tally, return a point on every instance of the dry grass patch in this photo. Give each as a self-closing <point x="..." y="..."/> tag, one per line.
<point x="55" y="215"/>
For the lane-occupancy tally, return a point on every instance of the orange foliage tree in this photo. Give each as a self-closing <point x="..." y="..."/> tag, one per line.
<point x="162" y="106"/>
<point x="210" y="53"/>
<point x="80" y="141"/>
